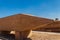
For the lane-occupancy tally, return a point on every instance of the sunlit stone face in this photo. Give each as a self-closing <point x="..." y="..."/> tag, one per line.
<point x="12" y="32"/>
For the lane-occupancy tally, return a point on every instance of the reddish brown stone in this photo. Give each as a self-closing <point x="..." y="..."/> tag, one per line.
<point x="22" y="24"/>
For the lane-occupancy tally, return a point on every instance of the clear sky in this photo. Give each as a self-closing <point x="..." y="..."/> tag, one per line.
<point x="43" y="8"/>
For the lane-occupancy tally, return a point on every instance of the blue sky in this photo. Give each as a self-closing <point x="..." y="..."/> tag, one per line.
<point x="43" y="8"/>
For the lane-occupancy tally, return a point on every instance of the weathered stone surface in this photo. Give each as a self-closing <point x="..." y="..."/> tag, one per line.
<point x="51" y="27"/>
<point x="55" y="24"/>
<point x="22" y="22"/>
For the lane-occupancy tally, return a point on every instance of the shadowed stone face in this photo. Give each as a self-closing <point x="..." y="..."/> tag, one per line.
<point x="21" y="22"/>
<point x="51" y="27"/>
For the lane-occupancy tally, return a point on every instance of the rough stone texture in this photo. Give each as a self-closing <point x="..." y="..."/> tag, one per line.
<point x="22" y="35"/>
<point x="51" y="27"/>
<point x="21" y="22"/>
<point x="49" y="30"/>
<point x="55" y="24"/>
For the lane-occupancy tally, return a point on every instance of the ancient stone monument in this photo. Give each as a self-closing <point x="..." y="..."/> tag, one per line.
<point x="22" y="24"/>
